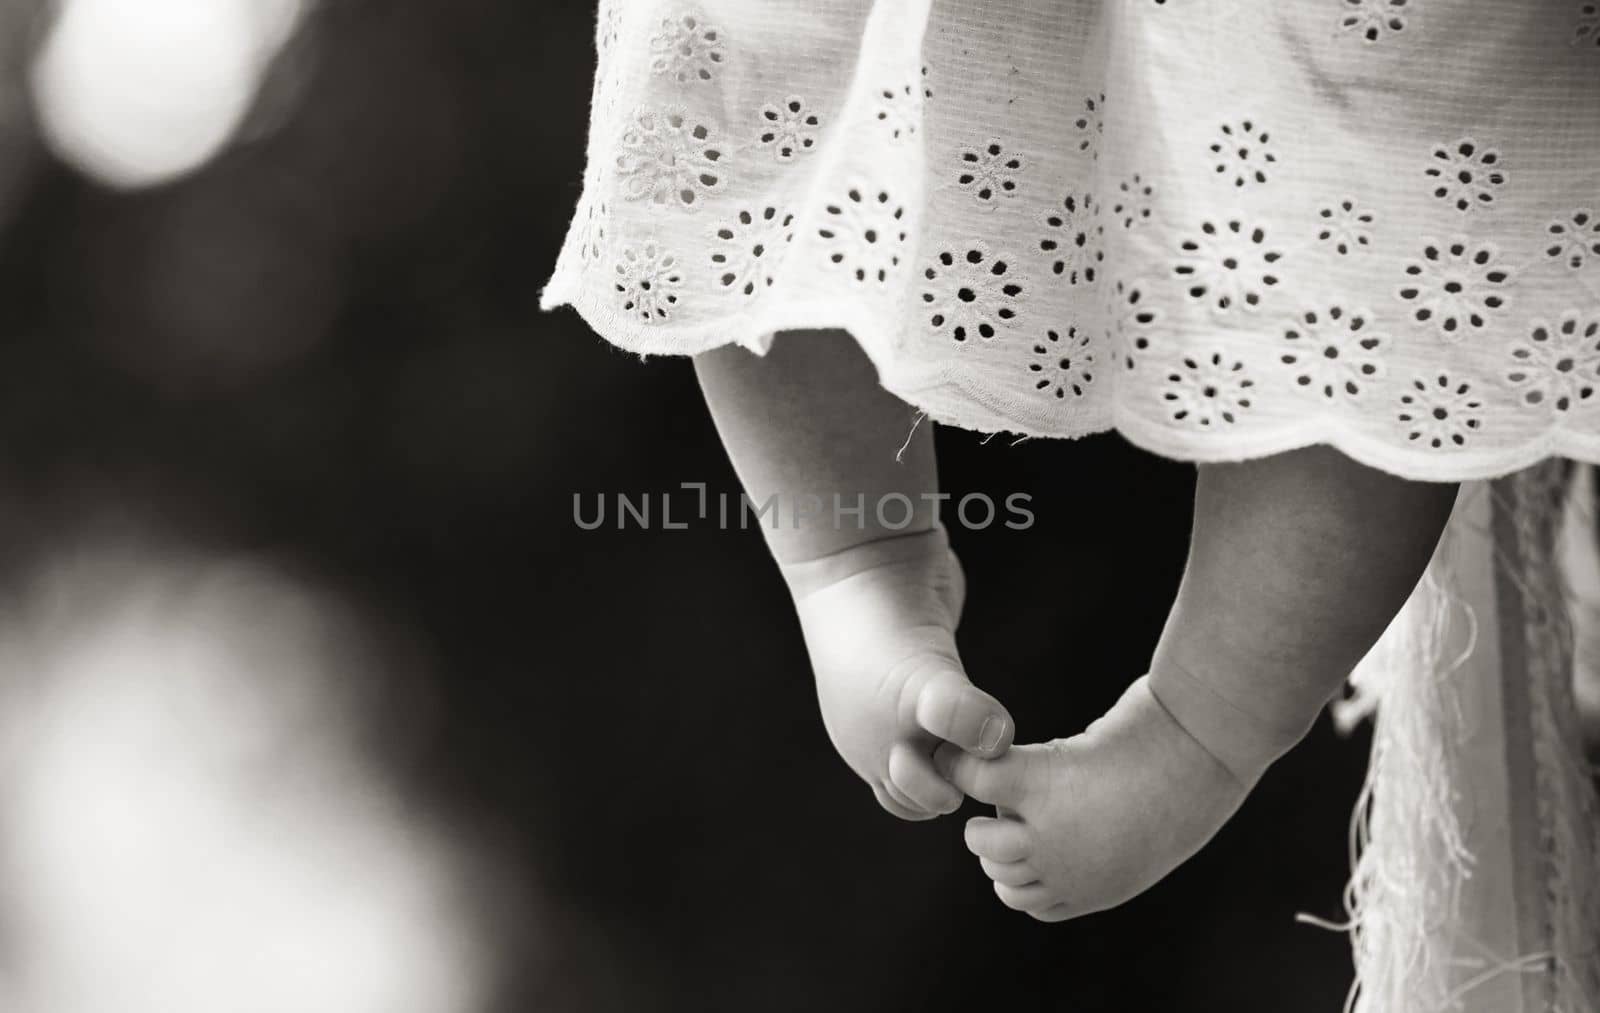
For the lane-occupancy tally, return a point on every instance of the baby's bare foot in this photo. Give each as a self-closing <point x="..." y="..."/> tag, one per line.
<point x="879" y="623"/>
<point x="1090" y="822"/>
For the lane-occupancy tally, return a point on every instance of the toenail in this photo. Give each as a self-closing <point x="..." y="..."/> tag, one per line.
<point x="989" y="737"/>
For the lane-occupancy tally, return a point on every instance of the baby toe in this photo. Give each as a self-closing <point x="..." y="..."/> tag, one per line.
<point x="953" y="709"/>
<point x="1035" y="897"/>
<point x="911" y="774"/>
<point x="999" y="840"/>
<point x="1009" y="873"/>
<point x="895" y="807"/>
<point x="999" y="782"/>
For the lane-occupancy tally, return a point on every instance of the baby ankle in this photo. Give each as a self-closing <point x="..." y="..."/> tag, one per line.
<point x="809" y="576"/>
<point x="1243" y="742"/>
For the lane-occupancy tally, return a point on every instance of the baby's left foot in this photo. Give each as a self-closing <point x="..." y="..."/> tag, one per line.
<point x="1090" y="822"/>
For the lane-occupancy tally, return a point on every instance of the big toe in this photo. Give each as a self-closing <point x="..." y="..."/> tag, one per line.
<point x="953" y="709"/>
<point x="1001" y="782"/>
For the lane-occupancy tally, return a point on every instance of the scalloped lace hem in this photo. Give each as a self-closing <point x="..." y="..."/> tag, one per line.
<point x="952" y="401"/>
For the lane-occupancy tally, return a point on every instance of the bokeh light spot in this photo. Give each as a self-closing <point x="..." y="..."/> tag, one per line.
<point x="139" y="92"/>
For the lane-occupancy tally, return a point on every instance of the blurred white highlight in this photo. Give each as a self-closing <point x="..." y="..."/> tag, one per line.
<point x="139" y="92"/>
<point x="187" y="822"/>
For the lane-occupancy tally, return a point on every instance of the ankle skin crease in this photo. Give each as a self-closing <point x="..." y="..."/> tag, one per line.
<point x="809" y="419"/>
<point x="1296" y="566"/>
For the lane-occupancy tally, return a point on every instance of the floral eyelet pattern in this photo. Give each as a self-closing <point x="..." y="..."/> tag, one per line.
<point x="608" y="26"/>
<point x="648" y="280"/>
<point x="988" y="173"/>
<point x="668" y="159"/>
<point x="1135" y="202"/>
<point x="1029" y="235"/>
<point x="1587" y="31"/>
<point x="1345" y="226"/>
<point x="1134" y="320"/>
<point x="1228" y="265"/>
<point x="686" y="49"/>
<point x="1208" y="390"/>
<point x="1333" y="354"/>
<point x="865" y="234"/>
<point x="1371" y="19"/>
<point x="1243" y="153"/>
<point x="1574" y="240"/>
<point x="789" y="129"/>
<point x="1064" y="363"/>
<point x="1466" y="174"/>
<point x="899" y="111"/>
<point x="970" y="293"/>
<point x="1440" y="413"/>
<point x="1558" y="365"/>
<point x="748" y="250"/>
<point x="1456" y="286"/>
<point x="590" y="230"/>
<point x="1091" y="125"/>
<point x="1072" y="243"/>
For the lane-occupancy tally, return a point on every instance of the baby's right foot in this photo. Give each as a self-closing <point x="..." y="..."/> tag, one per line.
<point x="879" y="621"/>
<point x="1090" y="822"/>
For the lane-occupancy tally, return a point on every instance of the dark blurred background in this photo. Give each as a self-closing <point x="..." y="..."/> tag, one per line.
<point x="310" y="679"/>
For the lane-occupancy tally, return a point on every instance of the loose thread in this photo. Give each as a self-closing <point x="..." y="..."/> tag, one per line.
<point x="899" y="455"/>
<point x="1516" y="965"/>
<point x="1316" y="922"/>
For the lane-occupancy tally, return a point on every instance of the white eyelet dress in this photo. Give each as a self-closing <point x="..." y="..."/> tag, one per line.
<point x="1223" y="228"/>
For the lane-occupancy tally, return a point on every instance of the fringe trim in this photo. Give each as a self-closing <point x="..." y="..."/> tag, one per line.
<point x="1408" y="852"/>
<point x="1411" y="857"/>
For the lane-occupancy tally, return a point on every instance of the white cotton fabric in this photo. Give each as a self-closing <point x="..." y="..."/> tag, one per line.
<point x="1224" y="228"/>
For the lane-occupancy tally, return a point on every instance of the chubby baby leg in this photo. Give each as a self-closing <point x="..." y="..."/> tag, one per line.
<point x="878" y="604"/>
<point x="879" y="622"/>
<point x="1297" y="564"/>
